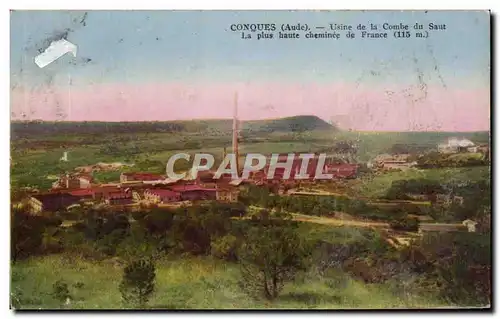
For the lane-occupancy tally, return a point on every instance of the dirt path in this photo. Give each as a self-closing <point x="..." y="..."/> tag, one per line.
<point x="333" y="221"/>
<point x="338" y="222"/>
<point x="359" y="223"/>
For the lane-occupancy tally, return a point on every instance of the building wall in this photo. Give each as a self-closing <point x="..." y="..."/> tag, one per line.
<point x="73" y="183"/>
<point x="227" y="196"/>
<point x="35" y="206"/>
<point x="136" y="196"/>
<point x="153" y="198"/>
<point x="172" y="198"/>
<point x="124" y="178"/>
<point x="198" y="195"/>
<point x="84" y="183"/>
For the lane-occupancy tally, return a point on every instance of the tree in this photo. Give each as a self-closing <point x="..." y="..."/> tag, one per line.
<point x="140" y="243"/>
<point x="272" y="254"/>
<point x="195" y="227"/>
<point x="158" y="221"/>
<point x="225" y="247"/>
<point x="116" y="223"/>
<point x="138" y="282"/>
<point x="27" y="233"/>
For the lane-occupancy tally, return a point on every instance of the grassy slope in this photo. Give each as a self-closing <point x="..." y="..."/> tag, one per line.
<point x="204" y="282"/>
<point x="378" y="185"/>
<point x="194" y="283"/>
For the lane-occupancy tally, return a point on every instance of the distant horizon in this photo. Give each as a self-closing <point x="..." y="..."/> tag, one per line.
<point x="334" y="126"/>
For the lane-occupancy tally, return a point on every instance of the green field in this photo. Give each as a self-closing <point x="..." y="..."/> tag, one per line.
<point x="37" y="147"/>
<point x="188" y="282"/>
<point x="377" y="186"/>
<point x="196" y="283"/>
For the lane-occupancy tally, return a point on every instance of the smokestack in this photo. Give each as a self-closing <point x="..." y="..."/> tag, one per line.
<point x="235" y="131"/>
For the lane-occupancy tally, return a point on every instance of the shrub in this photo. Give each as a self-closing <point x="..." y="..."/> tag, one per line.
<point x="26" y="234"/>
<point x="359" y="268"/>
<point x="225" y="247"/>
<point x="60" y="291"/>
<point x="406" y="224"/>
<point x="158" y="221"/>
<point x="116" y="223"/>
<point x="138" y="282"/>
<point x="272" y="254"/>
<point x="194" y="228"/>
<point x="138" y="215"/>
<point x="79" y="285"/>
<point x="462" y="266"/>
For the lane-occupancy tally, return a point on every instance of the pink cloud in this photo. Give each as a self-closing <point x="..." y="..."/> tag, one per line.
<point x="395" y="108"/>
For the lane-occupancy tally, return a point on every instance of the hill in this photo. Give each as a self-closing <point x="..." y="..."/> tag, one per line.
<point x="287" y="124"/>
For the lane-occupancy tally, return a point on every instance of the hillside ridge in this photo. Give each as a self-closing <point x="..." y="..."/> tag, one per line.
<point x="286" y="124"/>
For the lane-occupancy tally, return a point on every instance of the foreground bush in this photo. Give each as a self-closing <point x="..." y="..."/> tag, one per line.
<point x="273" y="253"/>
<point x="138" y="282"/>
<point x="225" y="247"/>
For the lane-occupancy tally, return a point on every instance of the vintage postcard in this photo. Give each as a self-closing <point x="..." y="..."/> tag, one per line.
<point x="250" y="160"/>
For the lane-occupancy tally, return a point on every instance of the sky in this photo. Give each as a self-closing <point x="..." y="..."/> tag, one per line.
<point x="172" y="65"/>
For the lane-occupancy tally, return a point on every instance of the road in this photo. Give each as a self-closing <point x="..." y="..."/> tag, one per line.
<point x="339" y="222"/>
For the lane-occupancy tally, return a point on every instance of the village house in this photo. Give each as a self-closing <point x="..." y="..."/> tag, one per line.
<point x="342" y="170"/>
<point x="157" y="196"/>
<point x="227" y="195"/>
<point x="73" y="181"/>
<point x="455" y="145"/>
<point x="118" y="198"/>
<point x="389" y="162"/>
<point x="50" y="202"/>
<point x="194" y="192"/>
<point x="472" y="149"/>
<point x="470" y="224"/>
<point x="100" y="191"/>
<point x="85" y="195"/>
